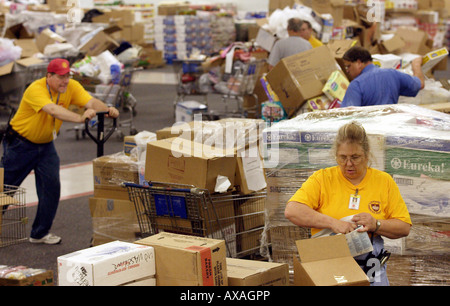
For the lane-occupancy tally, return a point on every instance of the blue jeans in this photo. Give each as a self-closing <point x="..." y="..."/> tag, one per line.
<point x="20" y="157"/>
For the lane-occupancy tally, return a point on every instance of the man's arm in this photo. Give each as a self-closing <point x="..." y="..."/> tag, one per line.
<point x="416" y="66"/>
<point x="64" y="114"/>
<point x="352" y="96"/>
<point x="99" y="106"/>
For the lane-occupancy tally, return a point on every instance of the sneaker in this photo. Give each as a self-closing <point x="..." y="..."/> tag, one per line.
<point x="47" y="239"/>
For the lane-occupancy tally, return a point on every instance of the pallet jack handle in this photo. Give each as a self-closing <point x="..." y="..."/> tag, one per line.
<point x="101" y="137"/>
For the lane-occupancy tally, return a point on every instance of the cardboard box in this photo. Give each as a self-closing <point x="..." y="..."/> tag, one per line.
<point x="431" y="59"/>
<point x="249" y="170"/>
<point x="42" y="279"/>
<point x="110" y="264"/>
<point x="99" y="43"/>
<point x="333" y="7"/>
<point x="301" y="76"/>
<point x="48" y="37"/>
<point x="168" y="9"/>
<point x="243" y="272"/>
<point x="113" y="219"/>
<point x="416" y="41"/>
<point x="336" y="86"/>
<point x="327" y="261"/>
<point x="390" y="61"/>
<point x="338" y="49"/>
<point x="177" y="160"/>
<point x="28" y="45"/>
<point x="186" y="110"/>
<point x="265" y="39"/>
<point x="114" y="169"/>
<point x="391" y="43"/>
<point x="188" y="260"/>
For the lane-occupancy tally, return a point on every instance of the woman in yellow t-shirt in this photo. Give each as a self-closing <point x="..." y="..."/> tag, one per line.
<point x="351" y="189"/>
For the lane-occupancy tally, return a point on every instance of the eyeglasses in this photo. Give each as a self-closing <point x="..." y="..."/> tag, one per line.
<point x="354" y="159"/>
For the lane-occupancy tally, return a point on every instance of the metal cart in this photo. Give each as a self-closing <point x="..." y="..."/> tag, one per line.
<point x="13" y="85"/>
<point x="13" y="218"/>
<point x="240" y="83"/>
<point x="185" y="209"/>
<point x="187" y="73"/>
<point x="119" y="96"/>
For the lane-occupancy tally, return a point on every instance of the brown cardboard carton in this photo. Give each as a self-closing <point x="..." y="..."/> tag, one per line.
<point x="183" y="260"/>
<point x="333" y="7"/>
<point x="177" y="160"/>
<point x="243" y="272"/>
<point x="42" y="279"/>
<point x="393" y="44"/>
<point x="416" y="41"/>
<point x="301" y="76"/>
<point x="28" y="45"/>
<point x="48" y="37"/>
<point x="114" y="169"/>
<point x="99" y="43"/>
<point x="113" y="219"/>
<point x="326" y="261"/>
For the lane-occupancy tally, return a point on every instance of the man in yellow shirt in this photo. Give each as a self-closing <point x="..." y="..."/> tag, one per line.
<point x="28" y="144"/>
<point x="306" y="32"/>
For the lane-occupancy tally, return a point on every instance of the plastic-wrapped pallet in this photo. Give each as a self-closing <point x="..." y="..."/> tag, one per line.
<point x="409" y="142"/>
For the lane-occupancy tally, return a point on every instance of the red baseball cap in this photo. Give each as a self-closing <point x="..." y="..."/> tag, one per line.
<point x="59" y="66"/>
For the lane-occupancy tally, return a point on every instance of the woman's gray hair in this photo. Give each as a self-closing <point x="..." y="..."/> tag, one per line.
<point x="353" y="132"/>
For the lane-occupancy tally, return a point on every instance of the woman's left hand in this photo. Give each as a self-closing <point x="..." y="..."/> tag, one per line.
<point x="366" y="220"/>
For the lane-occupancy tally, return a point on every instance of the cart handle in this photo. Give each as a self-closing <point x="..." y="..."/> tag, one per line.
<point x="191" y="190"/>
<point x="101" y="137"/>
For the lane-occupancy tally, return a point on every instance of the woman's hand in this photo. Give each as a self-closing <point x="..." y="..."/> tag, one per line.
<point x="368" y="222"/>
<point x="342" y="227"/>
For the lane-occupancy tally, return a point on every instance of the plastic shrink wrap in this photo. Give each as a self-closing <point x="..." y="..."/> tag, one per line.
<point x="409" y="142"/>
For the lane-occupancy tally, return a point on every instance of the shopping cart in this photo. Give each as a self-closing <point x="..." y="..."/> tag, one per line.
<point x="187" y="73"/>
<point x="185" y="209"/>
<point x="119" y="96"/>
<point x="13" y="85"/>
<point x="13" y="217"/>
<point x="238" y="84"/>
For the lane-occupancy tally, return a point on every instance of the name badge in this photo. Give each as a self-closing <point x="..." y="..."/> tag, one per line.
<point x="354" y="201"/>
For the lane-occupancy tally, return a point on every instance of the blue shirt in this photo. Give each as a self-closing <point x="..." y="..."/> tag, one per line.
<point x="377" y="86"/>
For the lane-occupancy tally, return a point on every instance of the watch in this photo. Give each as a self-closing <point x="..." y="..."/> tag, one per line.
<point x="378" y="224"/>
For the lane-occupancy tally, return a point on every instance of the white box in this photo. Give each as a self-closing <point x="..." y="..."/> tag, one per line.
<point x="265" y="39"/>
<point x="109" y="264"/>
<point x="186" y="110"/>
<point x="387" y="61"/>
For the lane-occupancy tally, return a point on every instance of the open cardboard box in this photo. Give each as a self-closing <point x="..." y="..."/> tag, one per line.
<point x="299" y="77"/>
<point x="180" y="161"/>
<point x="326" y="261"/>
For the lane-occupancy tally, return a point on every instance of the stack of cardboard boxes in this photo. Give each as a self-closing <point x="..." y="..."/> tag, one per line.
<point x="166" y="259"/>
<point x="113" y="214"/>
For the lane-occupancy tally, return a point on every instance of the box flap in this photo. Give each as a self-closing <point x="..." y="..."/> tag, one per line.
<point x="6" y="69"/>
<point x="29" y="61"/>
<point x="323" y="248"/>
<point x="335" y="272"/>
<point x="28" y="45"/>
